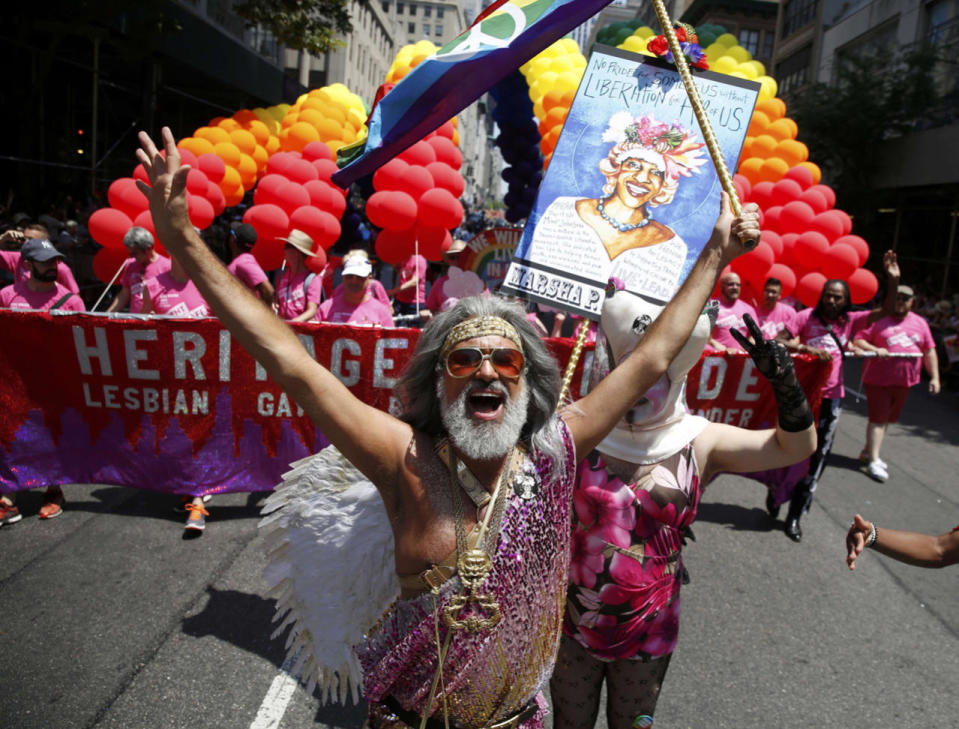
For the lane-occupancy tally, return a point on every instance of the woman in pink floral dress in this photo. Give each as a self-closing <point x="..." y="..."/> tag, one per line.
<point x="634" y="497"/>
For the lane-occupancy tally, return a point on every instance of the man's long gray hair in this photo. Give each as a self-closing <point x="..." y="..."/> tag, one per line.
<point x="416" y="388"/>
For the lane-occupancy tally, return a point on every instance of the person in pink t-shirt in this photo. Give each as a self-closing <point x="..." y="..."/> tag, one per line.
<point x="13" y="261"/>
<point x="41" y="291"/>
<point x="245" y="267"/>
<point x="772" y="315"/>
<point x="730" y="316"/>
<point x="888" y="380"/>
<point x="410" y="294"/>
<point x="144" y="263"/>
<point x="436" y="298"/>
<point x="172" y="293"/>
<point x="355" y="305"/>
<point x="376" y="289"/>
<point x="298" y="290"/>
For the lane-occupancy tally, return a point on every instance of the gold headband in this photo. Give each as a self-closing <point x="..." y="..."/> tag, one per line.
<point x="481" y="326"/>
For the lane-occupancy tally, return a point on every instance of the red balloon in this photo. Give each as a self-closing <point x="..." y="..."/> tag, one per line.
<point x="862" y="248"/>
<point x="106" y="263"/>
<point x="785" y="275"/>
<point x="816" y="200"/>
<point x="420" y="153"/>
<point x="268" y="253"/>
<point x="326" y="197"/>
<point x="267" y="189"/>
<point x="786" y="191"/>
<point x="317" y="150"/>
<point x="446" y="177"/>
<point x="391" y="210"/>
<point x="863" y="285"/>
<point x="446" y="152"/>
<point x="772" y="219"/>
<point x="145" y="220"/>
<point x="140" y="174"/>
<point x="788" y="256"/>
<point x="301" y="171"/>
<point x="417" y="180"/>
<point x="446" y="129"/>
<point x="431" y="240"/>
<point x="212" y="165"/>
<point x="796" y="217"/>
<point x="762" y="194"/>
<point x="810" y="249"/>
<point x="774" y="241"/>
<point x="827" y="192"/>
<point x="843" y="217"/>
<point x="745" y="184"/>
<point x="753" y="265"/>
<point x="439" y="209"/>
<point x="197" y="183"/>
<point x="317" y="262"/>
<point x="201" y="211"/>
<point x="840" y="261"/>
<point x="279" y="162"/>
<point x="324" y="168"/>
<point x="125" y="196"/>
<point x="322" y="227"/>
<point x="187" y="158"/>
<point x="107" y="227"/>
<point x="291" y="196"/>
<point x="802" y="175"/>
<point x="215" y="195"/>
<point x="829" y="224"/>
<point x="270" y="222"/>
<point x="809" y="288"/>
<point x="395" y="246"/>
<point x="390" y="175"/>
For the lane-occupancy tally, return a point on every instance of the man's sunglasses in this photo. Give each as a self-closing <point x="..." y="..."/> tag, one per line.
<point x="464" y="362"/>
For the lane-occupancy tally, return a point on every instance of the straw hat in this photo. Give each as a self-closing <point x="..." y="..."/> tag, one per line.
<point x="301" y="241"/>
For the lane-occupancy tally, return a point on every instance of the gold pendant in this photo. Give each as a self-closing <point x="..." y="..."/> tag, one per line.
<point x="473" y="568"/>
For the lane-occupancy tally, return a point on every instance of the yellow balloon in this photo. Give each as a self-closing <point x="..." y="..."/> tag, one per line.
<point x="738" y="74"/>
<point x="644" y="31"/>
<point x="554" y="50"/>
<point x="634" y="44"/>
<point x="724" y="64"/>
<point x="714" y="52"/>
<point x="214" y="135"/>
<point x="301" y="98"/>
<point x="356" y="118"/>
<point x="727" y="39"/>
<point x="569" y="45"/>
<point x="747" y="71"/>
<point x="770" y="89"/>
<point x="759" y="68"/>
<point x="538" y="110"/>
<point x="739" y="53"/>
<point x="540" y="65"/>
<point x="563" y="63"/>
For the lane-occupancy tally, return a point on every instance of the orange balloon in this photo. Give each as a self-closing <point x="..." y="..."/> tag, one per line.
<point x="289" y="120"/>
<point x="758" y="124"/>
<point x="792" y="152"/>
<point x="773" y="170"/>
<point x="228" y="152"/>
<point x="456" y="138"/>
<point x="244" y="140"/>
<point x="334" y="112"/>
<point x="747" y="150"/>
<point x="784" y="128"/>
<point x="552" y="98"/>
<point x="311" y="116"/>
<point x="329" y="129"/>
<point x="261" y="157"/>
<point x="335" y="145"/>
<point x="245" y="116"/>
<point x="247" y="170"/>
<point x="229" y="125"/>
<point x="764" y="146"/>
<point x="814" y="168"/>
<point x="259" y="130"/>
<point x="314" y="104"/>
<point x="214" y="135"/>
<point x="234" y="196"/>
<point x="548" y="143"/>
<point x="749" y="168"/>
<point x="216" y="120"/>
<point x="231" y="180"/>
<point x="272" y="145"/>
<point x="196" y="145"/>
<point x="774" y="108"/>
<point x="299" y="135"/>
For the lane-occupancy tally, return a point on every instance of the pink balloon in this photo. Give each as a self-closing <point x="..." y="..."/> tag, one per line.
<point x="317" y="150"/>
<point x="107" y="227"/>
<point x="212" y="165"/>
<point x="746" y="186"/>
<point x="326" y="197"/>
<point x="840" y="261"/>
<point x="439" y="209"/>
<point x="301" y="171"/>
<point x="863" y="285"/>
<point x="125" y="196"/>
<point x="829" y="223"/>
<point x="827" y="192"/>
<point x="200" y="211"/>
<point x="810" y="249"/>
<point x="322" y="227"/>
<point x="785" y="275"/>
<point x="279" y="162"/>
<point x="862" y="248"/>
<point x="816" y="200"/>
<point x="796" y="217"/>
<point x="197" y="183"/>
<point x="267" y="189"/>
<point x="772" y="219"/>
<point x="785" y="191"/>
<point x="809" y="288"/>
<point x="761" y="194"/>
<point x="802" y="175"/>
<point x="187" y="157"/>
<point x="291" y="196"/>
<point x="788" y="256"/>
<point x="774" y="241"/>
<point x="215" y="195"/>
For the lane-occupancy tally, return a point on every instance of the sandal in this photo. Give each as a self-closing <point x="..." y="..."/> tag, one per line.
<point x="52" y="506"/>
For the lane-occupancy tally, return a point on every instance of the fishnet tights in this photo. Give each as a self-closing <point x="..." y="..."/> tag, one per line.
<point x="632" y="688"/>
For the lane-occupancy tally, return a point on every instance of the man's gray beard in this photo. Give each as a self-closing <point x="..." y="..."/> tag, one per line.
<point x="484" y="440"/>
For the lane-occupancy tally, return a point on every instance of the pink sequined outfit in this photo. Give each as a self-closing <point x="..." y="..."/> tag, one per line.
<point x="491" y="675"/>
<point x="626" y="571"/>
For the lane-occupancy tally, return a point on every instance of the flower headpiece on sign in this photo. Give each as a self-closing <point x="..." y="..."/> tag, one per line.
<point x="681" y="156"/>
<point x="688" y="41"/>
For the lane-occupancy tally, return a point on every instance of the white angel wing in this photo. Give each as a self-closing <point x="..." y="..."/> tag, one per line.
<point x="331" y="568"/>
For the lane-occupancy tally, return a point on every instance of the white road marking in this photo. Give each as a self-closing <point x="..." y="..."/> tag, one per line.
<point x="277" y="698"/>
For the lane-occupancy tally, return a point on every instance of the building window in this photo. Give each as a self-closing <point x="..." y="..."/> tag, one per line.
<point x="427" y="11"/>
<point x="426" y="28"/>
<point x="439" y="13"/>
<point x="412" y="9"/>
<point x="399" y="8"/>
<point x="798" y="14"/>
<point x="793" y="72"/>
<point x="749" y="39"/>
<point x="768" y="39"/>
<point x="941" y="20"/>
<point x="439" y="30"/>
<point x="411" y="27"/>
<point x="385" y="5"/>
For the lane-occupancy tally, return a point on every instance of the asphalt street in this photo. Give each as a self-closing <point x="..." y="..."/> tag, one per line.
<point x="108" y="618"/>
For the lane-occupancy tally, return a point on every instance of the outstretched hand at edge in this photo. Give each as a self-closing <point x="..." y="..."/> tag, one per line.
<point x="856" y="539"/>
<point x="166" y="192"/>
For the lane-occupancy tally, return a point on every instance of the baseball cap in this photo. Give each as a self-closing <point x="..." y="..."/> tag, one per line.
<point x="301" y="241"/>
<point x="357" y="266"/>
<point x="245" y="234"/>
<point x="907" y="290"/>
<point x="39" y="250"/>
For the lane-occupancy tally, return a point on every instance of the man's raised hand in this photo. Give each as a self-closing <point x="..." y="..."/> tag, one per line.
<point x="166" y="192"/>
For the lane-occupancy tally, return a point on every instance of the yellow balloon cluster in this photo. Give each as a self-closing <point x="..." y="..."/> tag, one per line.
<point x="553" y="76"/>
<point x="725" y="55"/>
<point x="636" y="43"/>
<point x="244" y="142"/>
<point x="408" y="58"/>
<point x="333" y="115"/>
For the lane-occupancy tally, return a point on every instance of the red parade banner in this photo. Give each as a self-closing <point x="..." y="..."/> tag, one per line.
<point x="176" y="405"/>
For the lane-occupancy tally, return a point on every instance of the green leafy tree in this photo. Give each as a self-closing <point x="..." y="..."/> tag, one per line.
<point x="875" y="97"/>
<point x="309" y="25"/>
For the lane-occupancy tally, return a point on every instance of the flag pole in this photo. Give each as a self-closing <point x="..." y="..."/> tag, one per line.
<point x="112" y="281"/>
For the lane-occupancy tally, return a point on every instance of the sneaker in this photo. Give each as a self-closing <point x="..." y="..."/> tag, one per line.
<point x="184" y="500"/>
<point x="9" y="513"/>
<point x="864" y="460"/>
<point x="196" y="518"/>
<point x="875" y="471"/>
<point x="52" y="506"/>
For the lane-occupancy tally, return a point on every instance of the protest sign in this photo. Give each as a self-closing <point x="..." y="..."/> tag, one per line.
<point x="488" y="254"/>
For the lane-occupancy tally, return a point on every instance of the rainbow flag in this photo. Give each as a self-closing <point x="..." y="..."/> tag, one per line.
<point x="501" y="39"/>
